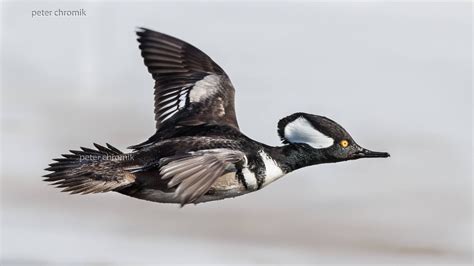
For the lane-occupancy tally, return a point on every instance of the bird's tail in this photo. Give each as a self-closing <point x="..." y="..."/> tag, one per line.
<point x="91" y="171"/>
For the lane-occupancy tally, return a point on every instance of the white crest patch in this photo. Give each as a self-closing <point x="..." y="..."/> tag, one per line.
<point x="272" y="170"/>
<point x="205" y="88"/>
<point x="301" y="131"/>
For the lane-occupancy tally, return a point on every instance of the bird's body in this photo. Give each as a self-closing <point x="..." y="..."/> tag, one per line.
<point x="198" y="152"/>
<point x="249" y="175"/>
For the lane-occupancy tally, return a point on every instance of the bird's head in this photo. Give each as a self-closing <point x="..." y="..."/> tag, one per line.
<point x="323" y="134"/>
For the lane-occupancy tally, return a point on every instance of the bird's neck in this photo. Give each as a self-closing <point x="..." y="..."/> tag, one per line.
<point x="294" y="156"/>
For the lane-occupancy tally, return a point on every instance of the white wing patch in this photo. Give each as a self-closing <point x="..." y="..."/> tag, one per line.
<point x="301" y="131"/>
<point x="182" y="99"/>
<point x="175" y="100"/>
<point x="272" y="170"/>
<point x="172" y="102"/>
<point x="205" y="88"/>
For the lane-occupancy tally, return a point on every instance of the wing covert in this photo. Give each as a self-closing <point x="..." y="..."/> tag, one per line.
<point x="194" y="173"/>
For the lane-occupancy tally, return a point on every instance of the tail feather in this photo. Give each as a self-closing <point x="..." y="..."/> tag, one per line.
<point x="91" y="171"/>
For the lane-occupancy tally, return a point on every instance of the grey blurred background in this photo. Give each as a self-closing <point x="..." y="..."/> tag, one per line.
<point x="395" y="75"/>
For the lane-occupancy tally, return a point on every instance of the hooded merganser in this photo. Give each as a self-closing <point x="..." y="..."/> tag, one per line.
<point x="198" y="153"/>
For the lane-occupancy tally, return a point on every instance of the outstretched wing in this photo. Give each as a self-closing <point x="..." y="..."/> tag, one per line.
<point x="190" y="88"/>
<point x="195" y="173"/>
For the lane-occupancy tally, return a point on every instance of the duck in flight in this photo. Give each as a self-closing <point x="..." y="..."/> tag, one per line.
<point x="198" y="153"/>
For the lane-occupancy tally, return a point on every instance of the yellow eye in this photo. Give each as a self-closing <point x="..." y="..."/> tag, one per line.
<point x="344" y="143"/>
